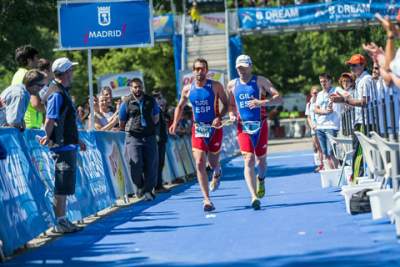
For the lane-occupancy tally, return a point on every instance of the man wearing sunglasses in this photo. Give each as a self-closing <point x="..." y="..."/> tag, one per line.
<point x="248" y="96"/>
<point x="364" y="87"/>
<point x="16" y="99"/>
<point x="204" y="95"/>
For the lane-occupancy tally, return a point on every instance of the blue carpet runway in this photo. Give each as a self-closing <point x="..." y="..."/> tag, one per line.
<point x="299" y="224"/>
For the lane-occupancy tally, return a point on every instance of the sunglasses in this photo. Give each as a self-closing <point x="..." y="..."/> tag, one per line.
<point x="354" y="65"/>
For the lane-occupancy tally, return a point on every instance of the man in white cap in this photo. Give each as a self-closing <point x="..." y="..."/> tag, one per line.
<point x="63" y="139"/>
<point x="247" y="101"/>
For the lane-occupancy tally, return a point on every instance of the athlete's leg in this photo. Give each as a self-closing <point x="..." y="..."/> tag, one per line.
<point x="213" y="159"/>
<point x="249" y="173"/>
<point x="200" y="160"/>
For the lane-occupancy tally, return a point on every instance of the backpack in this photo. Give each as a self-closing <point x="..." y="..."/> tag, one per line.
<point x="359" y="202"/>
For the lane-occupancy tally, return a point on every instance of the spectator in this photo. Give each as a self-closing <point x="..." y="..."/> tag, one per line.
<point x="364" y="85"/>
<point x="312" y="123"/>
<point x="81" y="118"/>
<point x="138" y="115"/>
<point x="107" y="92"/>
<point x="16" y="99"/>
<point x="27" y="58"/>
<point x="162" y="134"/>
<point x="194" y="13"/>
<point x="104" y="119"/>
<point x="328" y="121"/>
<point x="62" y="138"/>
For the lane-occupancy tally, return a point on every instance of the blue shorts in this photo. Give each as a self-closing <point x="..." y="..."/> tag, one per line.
<point x="324" y="141"/>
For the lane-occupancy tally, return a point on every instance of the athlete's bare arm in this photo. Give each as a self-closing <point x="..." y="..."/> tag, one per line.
<point x="179" y="109"/>
<point x="231" y="100"/>
<point x="266" y="88"/>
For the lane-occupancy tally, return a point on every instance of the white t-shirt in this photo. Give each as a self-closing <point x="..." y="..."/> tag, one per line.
<point x="331" y="120"/>
<point x="364" y="85"/>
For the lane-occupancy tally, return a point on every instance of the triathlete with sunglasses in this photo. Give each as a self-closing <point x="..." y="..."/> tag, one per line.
<point x="248" y="99"/>
<point x="204" y="95"/>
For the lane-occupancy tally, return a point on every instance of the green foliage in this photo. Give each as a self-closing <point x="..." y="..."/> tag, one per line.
<point x="293" y="61"/>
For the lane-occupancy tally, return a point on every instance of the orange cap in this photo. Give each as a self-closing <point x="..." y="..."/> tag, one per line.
<point x="356" y="59"/>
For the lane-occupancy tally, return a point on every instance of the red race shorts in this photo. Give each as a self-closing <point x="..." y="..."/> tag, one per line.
<point x="254" y="143"/>
<point x="211" y="144"/>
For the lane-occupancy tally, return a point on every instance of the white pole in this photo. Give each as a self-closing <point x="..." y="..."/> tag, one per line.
<point x="228" y="59"/>
<point x="90" y="74"/>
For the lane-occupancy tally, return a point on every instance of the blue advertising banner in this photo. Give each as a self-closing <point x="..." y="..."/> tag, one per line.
<point x="79" y="205"/>
<point x="91" y="167"/>
<point x="341" y="11"/>
<point x="163" y="27"/>
<point x="20" y="216"/>
<point x="112" y="147"/>
<point x="111" y="23"/>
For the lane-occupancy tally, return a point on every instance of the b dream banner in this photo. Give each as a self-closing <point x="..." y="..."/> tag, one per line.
<point x="342" y="11"/>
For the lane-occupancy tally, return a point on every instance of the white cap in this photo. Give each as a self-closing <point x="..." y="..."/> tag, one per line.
<point x="395" y="64"/>
<point x="244" y="61"/>
<point x="62" y="64"/>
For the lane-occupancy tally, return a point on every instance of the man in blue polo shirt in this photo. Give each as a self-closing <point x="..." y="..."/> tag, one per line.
<point x="63" y="139"/>
<point x="138" y="116"/>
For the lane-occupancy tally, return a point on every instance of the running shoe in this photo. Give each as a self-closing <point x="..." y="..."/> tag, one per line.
<point x="64" y="226"/>
<point x="208" y="207"/>
<point x="256" y="204"/>
<point x="260" y="187"/>
<point x="215" y="181"/>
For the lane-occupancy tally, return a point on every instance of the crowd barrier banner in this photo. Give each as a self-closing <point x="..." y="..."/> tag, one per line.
<point x="230" y="146"/>
<point x="341" y="11"/>
<point x="188" y="143"/>
<point x="112" y="148"/>
<point x="91" y="167"/>
<point x="167" y="173"/>
<point x="185" y="156"/>
<point x="43" y="163"/>
<point x="20" y="216"/>
<point x="175" y="158"/>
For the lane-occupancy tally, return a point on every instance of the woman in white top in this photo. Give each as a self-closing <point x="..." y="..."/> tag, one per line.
<point x="104" y="119"/>
<point x="345" y="88"/>
<point x="312" y="123"/>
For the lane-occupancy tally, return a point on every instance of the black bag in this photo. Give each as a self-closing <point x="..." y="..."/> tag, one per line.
<point x="359" y="202"/>
<point x="3" y="152"/>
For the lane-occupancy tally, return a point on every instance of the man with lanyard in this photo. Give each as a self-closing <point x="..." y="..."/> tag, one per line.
<point x="247" y="95"/>
<point x="204" y="95"/>
<point x="364" y="85"/>
<point x="63" y="139"/>
<point x="138" y="116"/>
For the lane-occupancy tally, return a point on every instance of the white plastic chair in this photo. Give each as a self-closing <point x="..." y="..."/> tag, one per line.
<point x="371" y="156"/>
<point x="342" y="148"/>
<point x="389" y="152"/>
